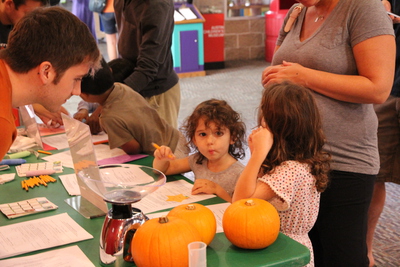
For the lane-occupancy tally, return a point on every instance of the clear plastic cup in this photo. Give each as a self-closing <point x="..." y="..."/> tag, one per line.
<point x="197" y="254"/>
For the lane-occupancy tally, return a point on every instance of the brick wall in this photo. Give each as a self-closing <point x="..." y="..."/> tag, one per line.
<point x="245" y="39"/>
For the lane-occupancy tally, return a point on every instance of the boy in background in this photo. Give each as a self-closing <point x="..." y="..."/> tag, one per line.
<point x="127" y="118"/>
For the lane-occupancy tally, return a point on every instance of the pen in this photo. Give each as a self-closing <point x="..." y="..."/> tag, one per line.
<point x="100" y="142"/>
<point x="158" y="147"/>
<point x="44" y="152"/>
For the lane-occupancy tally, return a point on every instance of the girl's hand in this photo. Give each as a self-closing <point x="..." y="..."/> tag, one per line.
<point x="204" y="186"/>
<point x="287" y="71"/>
<point x="164" y="153"/>
<point x="260" y="141"/>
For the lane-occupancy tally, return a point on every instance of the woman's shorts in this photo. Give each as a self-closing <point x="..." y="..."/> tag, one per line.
<point x="108" y="22"/>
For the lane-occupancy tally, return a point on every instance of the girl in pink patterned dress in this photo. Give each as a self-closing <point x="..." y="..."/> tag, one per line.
<point x="287" y="166"/>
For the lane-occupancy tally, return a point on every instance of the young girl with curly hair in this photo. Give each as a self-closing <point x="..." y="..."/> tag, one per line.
<point x="216" y="131"/>
<point x="287" y="166"/>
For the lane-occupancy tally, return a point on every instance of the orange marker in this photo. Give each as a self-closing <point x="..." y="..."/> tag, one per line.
<point x="44" y="152"/>
<point x="100" y="142"/>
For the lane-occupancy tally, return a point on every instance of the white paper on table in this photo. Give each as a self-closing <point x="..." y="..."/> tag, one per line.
<point x="217" y="209"/>
<point x="60" y="141"/>
<point x="63" y="257"/>
<point x="158" y="199"/>
<point x="102" y="152"/>
<point x="53" y="231"/>
<point x="70" y="184"/>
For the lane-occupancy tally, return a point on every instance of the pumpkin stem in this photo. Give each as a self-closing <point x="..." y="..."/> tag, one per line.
<point x="249" y="202"/>
<point x="190" y="207"/>
<point x="163" y="219"/>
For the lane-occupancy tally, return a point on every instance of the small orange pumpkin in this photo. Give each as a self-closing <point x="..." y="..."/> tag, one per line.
<point x="200" y="217"/>
<point x="251" y="223"/>
<point x="163" y="242"/>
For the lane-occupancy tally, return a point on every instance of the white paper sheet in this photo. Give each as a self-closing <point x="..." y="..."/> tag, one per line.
<point x="158" y="199"/>
<point x="217" y="209"/>
<point x="102" y="152"/>
<point x="63" y="257"/>
<point x="70" y="184"/>
<point x="60" y="141"/>
<point x="53" y="231"/>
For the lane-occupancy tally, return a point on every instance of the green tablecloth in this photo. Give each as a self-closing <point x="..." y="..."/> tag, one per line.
<point x="284" y="252"/>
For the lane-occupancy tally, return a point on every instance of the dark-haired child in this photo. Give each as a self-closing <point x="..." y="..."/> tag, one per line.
<point x="127" y="118"/>
<point x="287" y="166"/>
<point x="218" y="134"/>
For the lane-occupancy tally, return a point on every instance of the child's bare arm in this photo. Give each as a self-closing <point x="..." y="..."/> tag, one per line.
<point x="164" y="161"/>
<point x="260" y="142"/>
<point x="204" y="186"/>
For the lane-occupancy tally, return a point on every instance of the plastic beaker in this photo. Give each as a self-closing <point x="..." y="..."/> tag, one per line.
<point x="197" y="254"/>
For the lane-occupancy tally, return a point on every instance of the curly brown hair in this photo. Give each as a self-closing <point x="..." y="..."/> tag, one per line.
<point x="291" y="114"/>
<point x="222" y="114"/>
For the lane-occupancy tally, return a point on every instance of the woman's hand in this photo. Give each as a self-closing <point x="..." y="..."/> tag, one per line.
<point x="287" y="71"/>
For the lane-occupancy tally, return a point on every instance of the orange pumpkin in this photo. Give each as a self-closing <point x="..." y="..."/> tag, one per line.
<point x="251" y="223"/>
<point x="200" y="217"/>
<point x="163" y="242"/>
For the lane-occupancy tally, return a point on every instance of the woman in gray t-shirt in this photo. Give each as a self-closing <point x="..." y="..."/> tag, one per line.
<point x="344" y="51"/>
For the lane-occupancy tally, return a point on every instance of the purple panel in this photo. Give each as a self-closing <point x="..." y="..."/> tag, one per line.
<point x="189" y="51"/>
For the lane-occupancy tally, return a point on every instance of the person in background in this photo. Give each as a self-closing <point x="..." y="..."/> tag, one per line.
<point x="145" y="38"/>
<point x="127" y="118"/>
<point x="41" y="66"/>
<point x="344" y="52"/>
<point x="216" y="131"/>
<point x="287" y="166"/>
<point x="11" y="11"/>
<point x="121" y="68"/>
<point x="107" y="19"/>
<point x="388" y="139"/>
<point x="80" y="8"/>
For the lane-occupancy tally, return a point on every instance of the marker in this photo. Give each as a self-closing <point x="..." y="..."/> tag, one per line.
<point x="18" y="155"/>
<point x="44" y="152"/>
<point x="40" y="172"/>
<point x="158" y="147"/>
<point x="12" y="162"/>
<point x="100" y="142"/>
